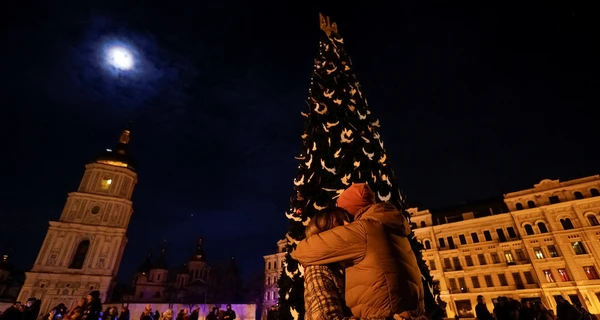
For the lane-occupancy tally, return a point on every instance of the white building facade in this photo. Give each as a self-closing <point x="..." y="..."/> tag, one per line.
<point x="534" y="244"/>
<point x="274" y="264"/>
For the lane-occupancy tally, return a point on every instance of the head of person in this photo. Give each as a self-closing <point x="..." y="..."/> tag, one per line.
<point x="355" y="198"/>
<point x="326" y="219"/>
<point x="480" y="299"/>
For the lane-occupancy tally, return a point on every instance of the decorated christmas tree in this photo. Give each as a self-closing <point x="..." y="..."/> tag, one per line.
<point x="341" y="145"/>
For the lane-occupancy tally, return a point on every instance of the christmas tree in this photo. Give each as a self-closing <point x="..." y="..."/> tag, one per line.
<point x="341" y="145"/>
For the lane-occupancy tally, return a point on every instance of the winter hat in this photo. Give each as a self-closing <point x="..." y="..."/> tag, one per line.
<point x="356" y="197"/>
<point x="95" y="294"/>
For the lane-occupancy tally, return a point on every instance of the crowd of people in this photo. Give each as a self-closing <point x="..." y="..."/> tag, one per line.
<point x="184" y="314"/>
<point x="90" y="308"/>
<point x="507" y="309"/>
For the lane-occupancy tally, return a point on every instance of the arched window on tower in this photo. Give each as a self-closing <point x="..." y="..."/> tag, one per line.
<point x="423" y="224"/>
<point x="566" y="224"/>
<point x="529" y="229"/>
<point x="531" y="204"/>
<point x="594" y="192"/>
<point x="578" y="195"/>
<point x="427" y="244"/>
<point x="80" y="254"/>
<point x="542" y="227"/>
<point x="519" y="206"/>
<point x="593" y="220"/>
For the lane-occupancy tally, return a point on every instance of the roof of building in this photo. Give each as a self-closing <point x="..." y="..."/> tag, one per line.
<point x="161" y="261"/>
<point x="146" y="265"/>
<point x="118" y="156"/>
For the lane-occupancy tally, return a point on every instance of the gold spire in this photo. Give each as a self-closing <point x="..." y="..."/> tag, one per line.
<point x="326" y="25"/>
<point x="125" y="136"/>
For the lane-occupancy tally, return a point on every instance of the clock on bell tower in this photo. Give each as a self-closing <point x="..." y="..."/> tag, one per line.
<point x="82" y="251"/>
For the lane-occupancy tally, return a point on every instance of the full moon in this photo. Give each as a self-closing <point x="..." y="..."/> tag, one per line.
<point x="120" y="58"/>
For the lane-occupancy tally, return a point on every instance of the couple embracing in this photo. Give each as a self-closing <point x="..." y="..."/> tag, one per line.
<point x="367" y="264"/>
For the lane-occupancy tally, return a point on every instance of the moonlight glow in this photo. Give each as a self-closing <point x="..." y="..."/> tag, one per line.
<point x="120" y="58"/>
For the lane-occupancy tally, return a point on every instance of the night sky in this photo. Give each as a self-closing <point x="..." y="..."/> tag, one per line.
<point x="475" y="99"/>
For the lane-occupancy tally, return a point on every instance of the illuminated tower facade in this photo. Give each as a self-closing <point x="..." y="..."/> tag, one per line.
<point x="82" y="251"/>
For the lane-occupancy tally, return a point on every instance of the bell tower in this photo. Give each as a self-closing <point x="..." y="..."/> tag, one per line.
<point x="82" y="251"/>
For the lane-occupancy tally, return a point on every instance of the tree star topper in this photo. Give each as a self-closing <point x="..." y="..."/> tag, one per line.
<point x="327" y="26"/>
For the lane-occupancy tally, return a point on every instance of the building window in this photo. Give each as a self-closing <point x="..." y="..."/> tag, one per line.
<point x="511" y="232"/>
<point x="578" y="247"/>
<point x="423" y="224"/>
<point x="463" y="284"/>
<point x="578" y="195"/>
<point x="554" y="199"/>
<point x="427" y="244"/>
<point x="481" y="258"/>
<point x="487" y="235"/>
<point x="80" y="254"/>
<point x="509" y="257"/>
<point x="538" y="253"/>
<point x="563" y="274"/>
<point x="542" y="227"/>
<point x="469" y="261"/>
<point x="529" y="277"/>
<point x="95" y="210"/>
<point x="520" y="254"/>
<point x="456" y="263"/>
<point x="269" y="266"/>
<point x="432" y="265"/>
<point x="518" y="281"/>
<point x="495" y="257"/>
<point x="501" y="236"/>
<point x="519" y="206"/>
<point x="531" y="204"/>
<point x="453" y="284"/>
<point x="268" y="281"/>
<point x="553" y="251"/>
<point x="590" y="272"/>
<point x="529" y="229"/>
<point x="462" y="239"/>
<point x="566" y="224"/>
<point x="447" y="264"/>
<point x="592" y="220"/>
<point x="475" y="237"/>
<point x="548" y="276"/>
<point x="502" y="278"/>
<point x="105" y="183"/>
<point x="488" y="281"/>
<point x="451" y="243"/>
<point x="594" y="192"/>
<point x="442" y="242"/>
<point x="475" y="280"/>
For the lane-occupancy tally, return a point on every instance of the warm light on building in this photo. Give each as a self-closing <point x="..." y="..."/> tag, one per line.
<point x="534" y="244"/>
<point x="274" y="264"/>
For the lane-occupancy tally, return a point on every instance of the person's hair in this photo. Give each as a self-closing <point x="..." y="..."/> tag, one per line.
<point x="479" y="296"/>
<point x="326" y="219"/>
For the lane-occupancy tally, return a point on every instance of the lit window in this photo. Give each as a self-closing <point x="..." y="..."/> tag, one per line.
<point x="563" y="275"/>
<point x="106" y="182"/>
<point x="538" y="253"/>
<point x="590" y="272"/>
<point x="578" y="247"/>
<point x="548" y="275"/>
<point x="509" y="257"/>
